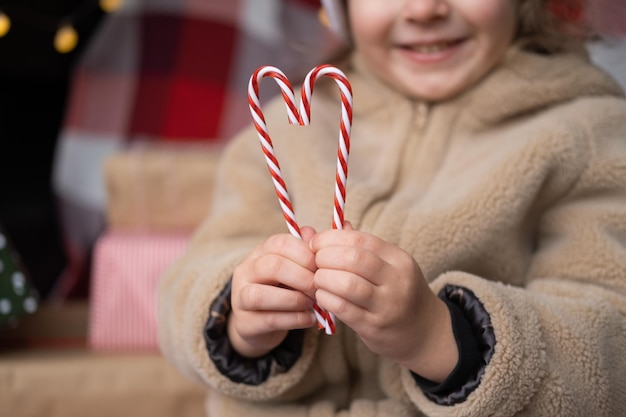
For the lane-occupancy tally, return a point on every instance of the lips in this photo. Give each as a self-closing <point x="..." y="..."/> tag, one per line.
<point x="431" y="47"/>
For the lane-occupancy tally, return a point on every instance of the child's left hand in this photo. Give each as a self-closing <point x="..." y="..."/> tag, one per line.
<point x="379" y="291"/>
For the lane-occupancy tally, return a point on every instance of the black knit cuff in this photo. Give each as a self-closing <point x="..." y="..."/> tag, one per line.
<point x="238" y="368"/>
<point x="475" y="341"/>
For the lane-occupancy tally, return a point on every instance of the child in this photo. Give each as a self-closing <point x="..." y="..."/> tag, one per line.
<point x="482" y="269"/>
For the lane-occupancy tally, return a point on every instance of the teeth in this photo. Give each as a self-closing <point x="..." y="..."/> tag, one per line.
<point x="431" y="48"/>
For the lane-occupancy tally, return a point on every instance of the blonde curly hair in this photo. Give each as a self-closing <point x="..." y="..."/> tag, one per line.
<point x="551" y="25"/>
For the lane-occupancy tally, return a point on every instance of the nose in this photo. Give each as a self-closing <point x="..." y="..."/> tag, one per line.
<point x="426" y="10"/>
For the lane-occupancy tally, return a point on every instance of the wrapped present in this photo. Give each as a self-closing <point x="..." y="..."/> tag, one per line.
<point x="126" y="270"/>
<point x="159" y="188"/>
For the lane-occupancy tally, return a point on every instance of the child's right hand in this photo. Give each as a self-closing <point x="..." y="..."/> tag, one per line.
<point x="272" y="293"/>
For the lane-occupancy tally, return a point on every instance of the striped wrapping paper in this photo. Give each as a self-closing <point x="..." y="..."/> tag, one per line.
<point x="125" y="273"/>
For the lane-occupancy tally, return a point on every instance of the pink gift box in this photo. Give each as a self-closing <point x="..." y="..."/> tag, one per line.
<point x="126" y="270"/>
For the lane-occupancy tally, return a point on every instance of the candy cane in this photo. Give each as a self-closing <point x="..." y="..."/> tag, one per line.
<point x="326" y="320"/>
<point x="344" y="130"/>
<point x="264" y="137"/>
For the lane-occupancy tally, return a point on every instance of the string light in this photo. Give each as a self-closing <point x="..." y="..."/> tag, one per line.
<point x="5" y="24"/>
<point x="110" y="6"/>
<point x="65" y="37"/>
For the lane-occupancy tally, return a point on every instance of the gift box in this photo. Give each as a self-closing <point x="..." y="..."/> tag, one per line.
<point x="126" y="271"/>
<point x="159" y="188"/>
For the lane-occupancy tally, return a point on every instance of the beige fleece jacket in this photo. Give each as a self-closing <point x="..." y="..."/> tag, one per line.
<point x="515" y="190"/>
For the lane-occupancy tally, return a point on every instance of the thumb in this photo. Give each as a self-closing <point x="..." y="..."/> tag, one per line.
<point x="347" y="225"/>
<point x="307" y="232"/>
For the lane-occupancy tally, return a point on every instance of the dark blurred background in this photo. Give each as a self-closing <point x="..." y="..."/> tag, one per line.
<point x="34" y="81"/>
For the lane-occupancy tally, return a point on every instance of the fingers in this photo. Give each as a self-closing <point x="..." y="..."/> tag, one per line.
<point x="289" y="247"/>
<point x="282" y="260"/>
<point x="275" y="270"/>
<point x="258" y="297"/>
<point x="348" y="237"/>
<point x="361" y="275"/>
<point x="262" y="314"/>
<point x="355" y="260"/>
<point x="360" y="253"/>
<point x="268" y="322"/>
<point x="307" y="233"/>
<point x="347" y="286"/>
<point x="254" y="334"/>
<point x="347" y="312"/>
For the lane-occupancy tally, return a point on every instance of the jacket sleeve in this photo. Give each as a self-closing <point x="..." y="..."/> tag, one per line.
<point x="475" y="342"/>
<point x="237" y="368"/>
<point x="560" y="338"/>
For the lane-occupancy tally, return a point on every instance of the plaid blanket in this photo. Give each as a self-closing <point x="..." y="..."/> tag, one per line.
<point x="168" y="70"/>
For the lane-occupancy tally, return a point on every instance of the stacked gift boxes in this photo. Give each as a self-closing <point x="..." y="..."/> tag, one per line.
<point x="156" y="195"/>
<point x="100" y="357"/>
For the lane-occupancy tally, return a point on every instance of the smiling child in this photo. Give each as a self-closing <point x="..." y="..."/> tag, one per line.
<point x="482" y="267"/>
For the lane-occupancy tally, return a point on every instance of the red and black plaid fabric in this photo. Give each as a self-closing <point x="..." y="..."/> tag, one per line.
<point x="179" y="70"/>
<point x="170" y="70"/>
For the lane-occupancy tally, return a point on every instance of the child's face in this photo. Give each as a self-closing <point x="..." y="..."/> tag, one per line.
<point x="432" y="49"/>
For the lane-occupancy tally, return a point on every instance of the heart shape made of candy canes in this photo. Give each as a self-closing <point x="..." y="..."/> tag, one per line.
<point x="302" y="117"/>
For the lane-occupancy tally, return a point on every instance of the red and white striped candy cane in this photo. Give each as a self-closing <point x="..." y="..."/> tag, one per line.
<point x="266" y="141"/>
<point x="326" y="320"/>
<point x="344" y="130"/>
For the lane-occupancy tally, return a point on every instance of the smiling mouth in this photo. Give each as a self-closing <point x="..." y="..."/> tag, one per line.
<point x="431" y="48"/>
